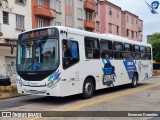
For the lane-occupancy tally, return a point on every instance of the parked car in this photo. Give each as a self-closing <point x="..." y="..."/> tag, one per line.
<point x="4" y="80"/>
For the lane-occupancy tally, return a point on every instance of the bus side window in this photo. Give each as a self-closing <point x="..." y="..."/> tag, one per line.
<point x="149" y="53"/>
<point x="127" y="54"/>
<point x="118" y="50"/>
<point x="70" y="53"/>
<point x="136" y="52"/>
<point x="106" y="49"/>
<point x="143" y="51"/>
<point x="92" y="48"/>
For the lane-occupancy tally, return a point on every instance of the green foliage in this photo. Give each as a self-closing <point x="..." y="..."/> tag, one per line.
<point x="155" y="41"/>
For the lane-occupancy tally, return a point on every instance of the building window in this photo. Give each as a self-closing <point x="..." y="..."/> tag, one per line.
<point x="110" y="27"/>
<point x="69" y="3"/>
<point x="96" y="9"/>
<point x="117" y="29"/>
<point x="136" y="35"/>
<point x="117" y="13"/>
<point x="132" y="20"/>
<point x="110" y="11"/>
<point x="40" y="22"/>
<point x="127" y="19"/>
<point x="5" y="17"/>
<point x="20" y="22"/>
<point x="58" y="23"/>
<point x="132" y="34"/>
<point x="40" y="2"/>
<point x="21" y="1"/>
<point x="79" y="13"/>
<point x="89" y="16"/>
<point x="69" y="20"/>
<point x="58" y="6"/>
<point x="127" y="33"/>
<point x="11" y="41"/>
<point x="97" y="26"/>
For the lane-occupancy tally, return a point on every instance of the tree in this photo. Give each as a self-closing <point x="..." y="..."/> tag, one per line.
<point x="154" y="40"/>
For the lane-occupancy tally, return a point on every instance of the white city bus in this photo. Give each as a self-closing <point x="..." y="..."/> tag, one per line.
<point x="61" y="61"/>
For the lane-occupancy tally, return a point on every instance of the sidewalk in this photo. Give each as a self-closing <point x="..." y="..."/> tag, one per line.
<point x="9" y="92"/>
<point x="156" y="72"/>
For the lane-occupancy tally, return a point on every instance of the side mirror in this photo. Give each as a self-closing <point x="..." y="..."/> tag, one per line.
<point x="12" y="49"/>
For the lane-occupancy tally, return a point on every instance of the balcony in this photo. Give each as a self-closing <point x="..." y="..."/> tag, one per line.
<point x="139" y="29"/>
<point x="89" y="24"/>
<point x="89" y="6"/>
<point x="42" y="11"/>
<point x="1" y="34"/>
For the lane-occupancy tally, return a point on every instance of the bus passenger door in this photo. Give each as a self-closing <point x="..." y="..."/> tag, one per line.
<point x="70" y="65"/>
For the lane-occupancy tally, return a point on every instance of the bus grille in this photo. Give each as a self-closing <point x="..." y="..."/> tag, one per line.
<point x="33" y="77"/>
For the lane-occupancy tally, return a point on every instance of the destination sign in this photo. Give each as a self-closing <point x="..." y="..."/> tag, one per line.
<point x="35" y="34"/>
<point x="39" y="33"/>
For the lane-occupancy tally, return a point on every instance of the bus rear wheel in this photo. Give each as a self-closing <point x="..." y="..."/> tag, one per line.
<point x="134" y="81"/>
<point x="88" y="88"/>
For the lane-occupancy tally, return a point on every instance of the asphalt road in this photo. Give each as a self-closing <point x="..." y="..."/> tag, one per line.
<point x="145" y="97"/>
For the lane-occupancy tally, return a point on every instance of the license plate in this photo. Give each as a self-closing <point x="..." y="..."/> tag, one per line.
<point x="33" y="91"/>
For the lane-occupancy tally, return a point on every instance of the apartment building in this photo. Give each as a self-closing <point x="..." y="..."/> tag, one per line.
<point x="118" y="22"/>
<point x="131" y="26"/>
<point x="110" y="16"/>
<point x="78" y="14"/>
<point x="15" y="17"/>
<point x="92" y="15"/>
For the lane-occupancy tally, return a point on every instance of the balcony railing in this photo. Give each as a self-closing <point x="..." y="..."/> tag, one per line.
<point x="1" y="34"/>
<point x="89" y="5"/>
<point x="43" y="11"/>
<point x="89" y="24"/>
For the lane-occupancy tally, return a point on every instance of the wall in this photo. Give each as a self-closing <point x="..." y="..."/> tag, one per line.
<point x="79" y="22"/>
<point x="60" y="15"/>
<point x="9" y="30"/>
<point x="2" y="65"/>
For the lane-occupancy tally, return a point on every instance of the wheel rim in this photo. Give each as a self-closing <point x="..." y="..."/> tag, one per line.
<point x="88" y="88"/>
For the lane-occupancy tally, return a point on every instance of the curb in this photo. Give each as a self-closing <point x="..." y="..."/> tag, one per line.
<point x="9" y="92"/>
<point x="156" y="72"/>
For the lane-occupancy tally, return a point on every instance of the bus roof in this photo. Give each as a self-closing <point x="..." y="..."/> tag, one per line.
<point x="91" y="34"/>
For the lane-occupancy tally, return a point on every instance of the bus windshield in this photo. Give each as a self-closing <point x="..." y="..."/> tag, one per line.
<point x="38" y="55"/>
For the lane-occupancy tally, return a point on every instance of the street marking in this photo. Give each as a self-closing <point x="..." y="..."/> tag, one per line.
<point x="107" y="98"/>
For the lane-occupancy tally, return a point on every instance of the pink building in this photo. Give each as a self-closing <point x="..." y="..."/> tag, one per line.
<point x="110" y="18"/>
<point x="115" y="21"/>
<point x="131" y="26"/>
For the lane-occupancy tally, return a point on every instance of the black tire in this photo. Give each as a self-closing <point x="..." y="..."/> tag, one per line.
<point x="88" y="88"/>
<point x="134" y="80"/>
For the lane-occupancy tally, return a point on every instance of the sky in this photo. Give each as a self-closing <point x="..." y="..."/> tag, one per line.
<point x="151" y="22"/>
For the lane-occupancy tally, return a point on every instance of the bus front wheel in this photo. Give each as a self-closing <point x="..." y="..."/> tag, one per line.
<point x="88" y="88"/>
<point x="134" y="81"/>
